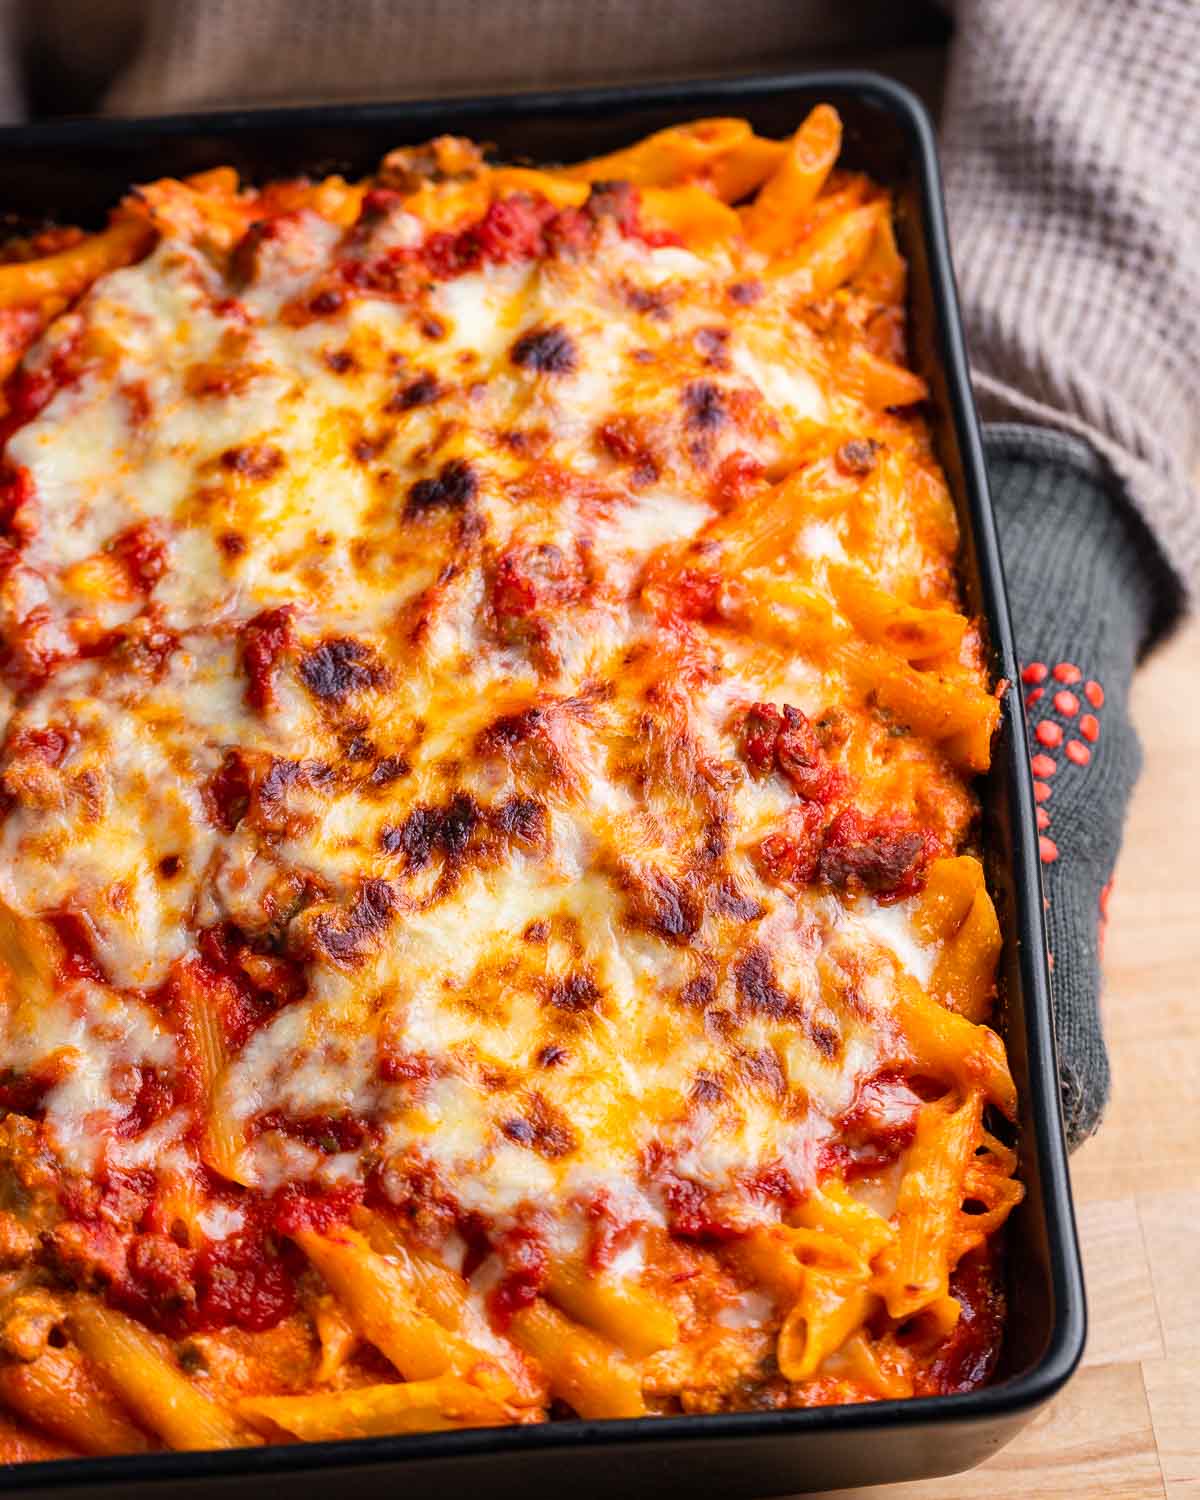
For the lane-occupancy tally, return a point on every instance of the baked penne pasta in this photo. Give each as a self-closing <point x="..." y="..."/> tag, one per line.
<point x="492" y="927"/>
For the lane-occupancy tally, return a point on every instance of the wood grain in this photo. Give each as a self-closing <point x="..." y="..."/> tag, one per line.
<point x="1128" y="1425"/>
<point x="1173" y="1390"/>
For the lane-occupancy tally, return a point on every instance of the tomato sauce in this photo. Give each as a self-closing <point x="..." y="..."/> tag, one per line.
<point x="520" y="227"/>
<point x="967" y="1358"/>
<point x="526" y="1267"/>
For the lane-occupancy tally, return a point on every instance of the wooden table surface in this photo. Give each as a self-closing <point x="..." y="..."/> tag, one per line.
<point x="1128" y="1426"/>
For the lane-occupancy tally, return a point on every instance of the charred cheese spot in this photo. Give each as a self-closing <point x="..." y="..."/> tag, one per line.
<point x="745" y="293"/>
<point x="857" y="457"/>
<point x="762" y="1069"/>
<point x="573" y="993"/>
<point x="337" y="668"/>
<point x="704" y="406"/>
<point x="523" y="819"/>
<point x="259" y="461"/>
<point x="546" y="351"/>
<point x="699" y="992"/>
<point x="387" y="769"/>
<point x="757" y="987"/>
<point x="730" y="902"/>
<point x="706" y="1089"/>
<point x="423" y="391"/>
<point x="345" y="935"/>
<point x="663" y="905"/>
<point x="542" y="1129"/>
<point x="454" y="487"/>
<point x="654" y="302"/>
<point x="711" y="344"/>
<point x="461" y="828"/>
<point x="366" y="450"/>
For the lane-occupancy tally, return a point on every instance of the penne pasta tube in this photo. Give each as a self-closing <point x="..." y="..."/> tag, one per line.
<point x="879" y="1366"/>
<point x="776" y="216"/>
<point x="964" y="976"/>
<point x="436" y="1405"/>
<point x="678" y="154"/>
<point x="778" y="1258"/>
<point x="830" y="1308"/>
<point x="441" y="1292"/>
<point x="139" y="1369"/>
<point x="556" y="189"/>
<point x="939" y="908"/>
<point x="831" y="254"/>
<point x="583" y="1369"/>
<point x="621" y="1311"/>
<point x="696" y="216"/>
<point x="949" y="1047"/>
<point x="909" y="632"/>
<point x="945" y="706"/>
<point x="444" y="1295"/>
<point x="831" y="1209"/>
<point x="928" y="1205"/>
<point x="59" y="1394"/>
<point x="71" y="271"/>
<point x="880" y="383"/>
<point x="379" y="1299"/>
<point x="743" y="167"/>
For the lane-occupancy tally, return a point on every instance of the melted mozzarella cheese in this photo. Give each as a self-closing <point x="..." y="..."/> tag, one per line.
<point x="97" y="1042"/>
<point x="892" y="926"/>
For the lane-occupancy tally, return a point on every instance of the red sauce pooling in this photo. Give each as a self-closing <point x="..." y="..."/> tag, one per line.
<point x="142" y="550"/>
<point x="79" y="953"/>
<point x="264" y="640"/>
<point x="967" y="1357"/>
<point x="516" y="228"/>
<point x="878" y="1126"/>
<point x="610" y="1230"/>
<point x="301" y="1206"/>
<point x="328" y="1134"/>
<point x="28" y="392"/>
<point x="16" y="494"/>
<point x="526" y="1267"/>
<point x="245" y="1280"/>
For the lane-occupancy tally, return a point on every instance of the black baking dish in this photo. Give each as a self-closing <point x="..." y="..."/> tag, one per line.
<point x="72" y="172"/>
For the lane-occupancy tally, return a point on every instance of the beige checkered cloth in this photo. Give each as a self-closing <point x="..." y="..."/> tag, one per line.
<point x="1071" y="143"/>
<point x="1071" y="147"/>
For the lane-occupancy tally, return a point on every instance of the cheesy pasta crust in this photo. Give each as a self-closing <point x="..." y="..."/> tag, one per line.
<point x="490" y="926"/>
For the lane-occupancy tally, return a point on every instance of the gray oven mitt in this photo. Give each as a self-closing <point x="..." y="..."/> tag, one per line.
<point x="1070" y="140"/>
<point x="1088" y="591"/>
